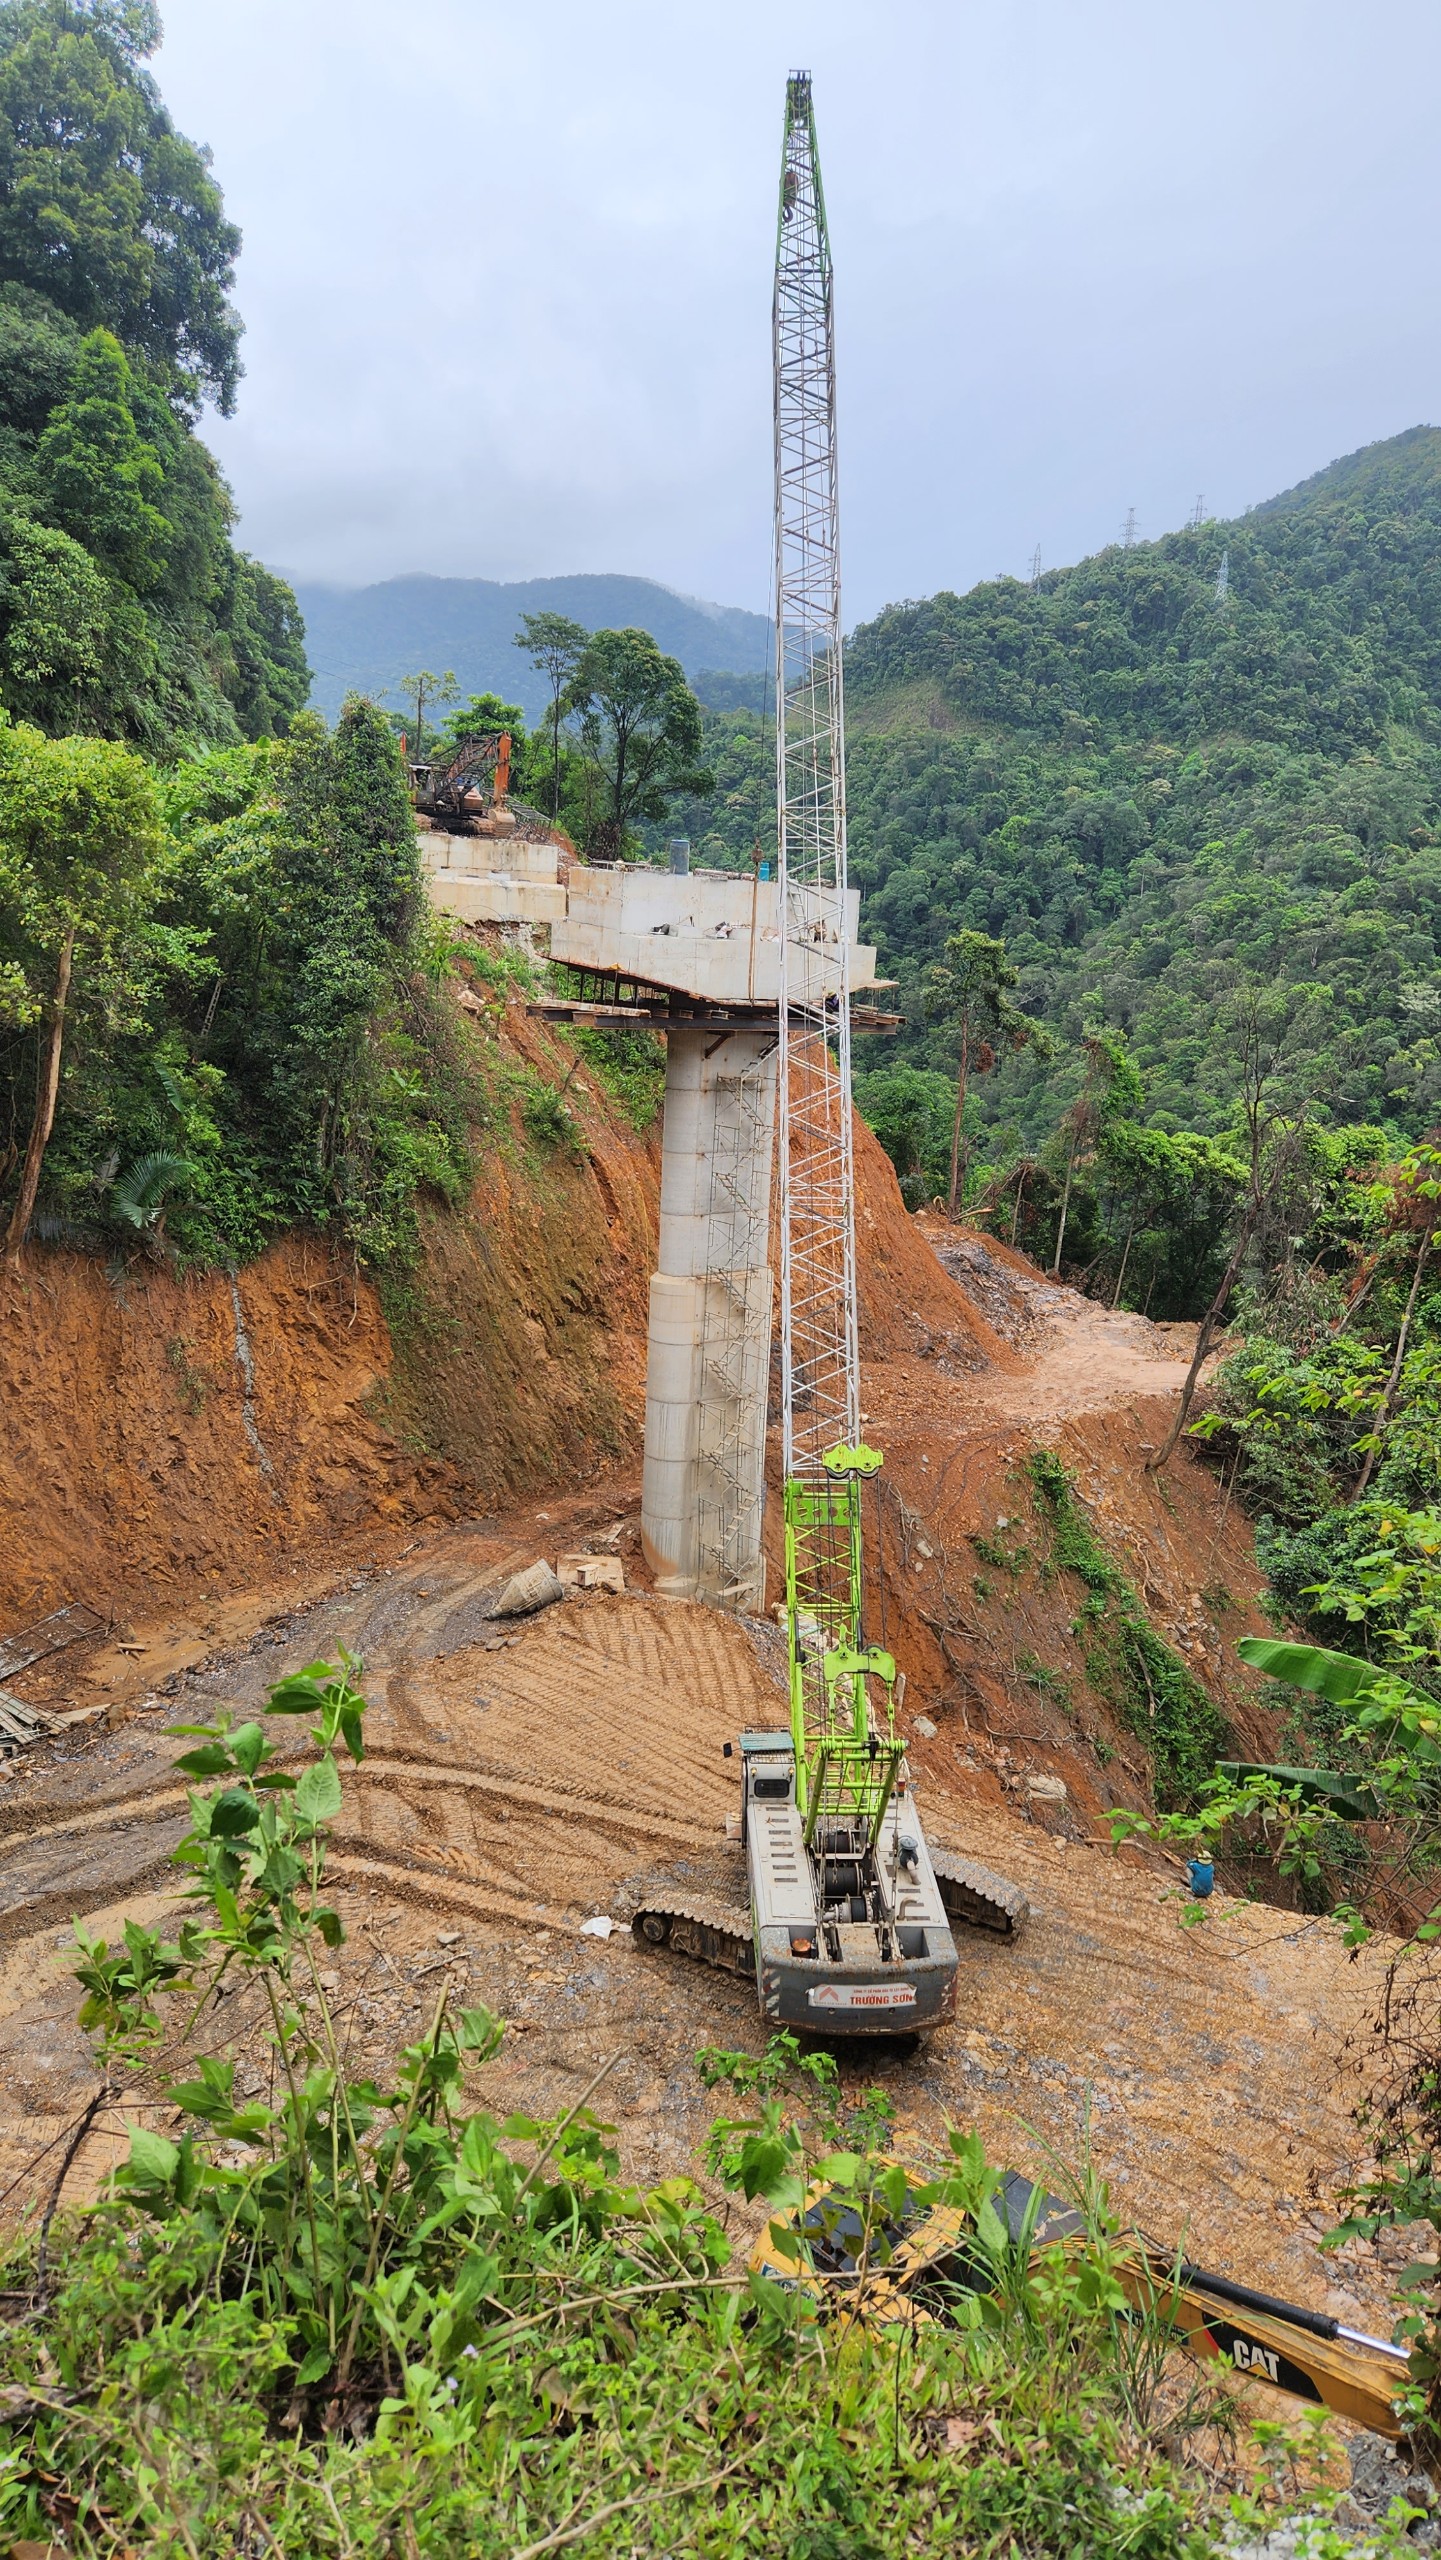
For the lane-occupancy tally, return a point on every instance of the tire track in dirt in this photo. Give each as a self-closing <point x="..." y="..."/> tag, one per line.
<point x="591" y="1749"/>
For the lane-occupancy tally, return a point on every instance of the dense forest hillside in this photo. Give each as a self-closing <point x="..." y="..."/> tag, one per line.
<point x="1173" y="769"/>
<point x="367" y="639"/>
<point x="216" y="971"/>
<point x="124" y="608"/>
<point x="1169" y="771"/>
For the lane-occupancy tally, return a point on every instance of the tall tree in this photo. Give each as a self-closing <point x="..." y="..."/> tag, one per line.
<point x="555" y="645"/>
<point x="79" y="842"/>
<point x="104" y="208"/>
<point x="124" y="609"/>
<point x="1110" y="1090"/>
<point x="1413" y="1213"/>
<point x="641" y="725"/>
<point x="104" y="483"/>
<point x="423" y="687"/>
<point x="349" y="883"/>
<point x="1261" y="1022"/>
<point x="969" y="990"/>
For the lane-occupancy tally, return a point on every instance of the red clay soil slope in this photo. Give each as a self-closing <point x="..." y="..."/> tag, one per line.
<point x="167" y="1432"/>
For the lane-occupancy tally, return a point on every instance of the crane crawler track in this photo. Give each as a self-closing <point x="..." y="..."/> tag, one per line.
<point x="715" y="1933"/>
<point x="977" y="1898"/>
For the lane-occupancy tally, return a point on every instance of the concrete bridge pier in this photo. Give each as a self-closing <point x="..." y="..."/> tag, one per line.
<point x="708" y="1369"/>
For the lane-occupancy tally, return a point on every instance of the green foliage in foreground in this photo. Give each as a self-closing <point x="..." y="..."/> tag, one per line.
<point x="366" y="2319"/>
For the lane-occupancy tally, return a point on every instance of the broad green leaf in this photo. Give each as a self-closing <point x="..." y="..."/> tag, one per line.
<point x="318" y="1797"/>
<point x="771" y="2296"/>
<point x="151" y="2156"/>
<point x="765" y="2161"/>
<point x="299" y="1695"/>
<point x="478" y="2031"/>
<point x="233" y="1814"/>
<point x="249" y="1746"/>
<point x="1348" y="1797"/>
<point x="893" y="2186"/>
<point x="197" y="2100"/>
<point x="206" y="1763"/>
<point x="1338" y="1676"/>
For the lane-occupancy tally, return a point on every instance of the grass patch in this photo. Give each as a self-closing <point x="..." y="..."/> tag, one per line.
<point x="630" y="1063"/>
<point x="1127" y="1661"/>
<point x="546" y="1120"/>
<point x="1048" y="1684"/>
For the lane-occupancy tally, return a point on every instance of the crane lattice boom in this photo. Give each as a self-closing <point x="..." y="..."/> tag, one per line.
<point x="849" y="1925"/>
<point x="845" y="1758"/>
<point x="818" y="1283"/>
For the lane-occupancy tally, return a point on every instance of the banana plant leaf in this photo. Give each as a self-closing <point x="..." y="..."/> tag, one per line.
<point x="1338" y="1676"/>
<point x="1349" y="1798"/>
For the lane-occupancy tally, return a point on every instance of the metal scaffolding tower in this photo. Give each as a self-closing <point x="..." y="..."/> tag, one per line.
<point x="849" y="1921"/>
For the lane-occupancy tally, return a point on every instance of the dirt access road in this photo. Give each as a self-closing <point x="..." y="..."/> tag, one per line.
<point x="522" y="1778"/>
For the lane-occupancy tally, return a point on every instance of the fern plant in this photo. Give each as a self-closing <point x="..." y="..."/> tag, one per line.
<point x="140" y="1194"/>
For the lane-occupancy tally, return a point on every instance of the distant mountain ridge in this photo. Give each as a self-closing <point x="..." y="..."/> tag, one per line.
<point x="365" y="639"/>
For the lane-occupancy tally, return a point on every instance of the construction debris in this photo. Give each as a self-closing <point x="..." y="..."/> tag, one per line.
<point x="20" y="1725"/>
<point x="535" y="1588"/>
<point x="48" y="1635"/>
<point x="591" y="1573"/>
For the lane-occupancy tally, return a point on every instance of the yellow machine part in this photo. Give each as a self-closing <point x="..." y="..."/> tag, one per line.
<point x="1278" y="2353"/>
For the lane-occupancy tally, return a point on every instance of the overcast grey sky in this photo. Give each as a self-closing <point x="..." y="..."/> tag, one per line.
<point x="506" y="274"/>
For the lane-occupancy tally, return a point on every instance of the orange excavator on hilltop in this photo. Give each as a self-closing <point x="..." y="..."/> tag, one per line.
<point x="470" y="781"/>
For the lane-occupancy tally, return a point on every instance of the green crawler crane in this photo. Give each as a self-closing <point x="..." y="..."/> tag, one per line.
<point x="850" y="1913"/>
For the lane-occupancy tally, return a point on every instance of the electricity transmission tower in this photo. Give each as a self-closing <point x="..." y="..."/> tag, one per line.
<point x="1198" y="515"/>
<point x="1035" y="569"/>
<point x="1128" y="529"/>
